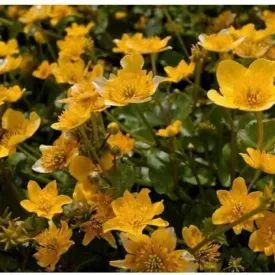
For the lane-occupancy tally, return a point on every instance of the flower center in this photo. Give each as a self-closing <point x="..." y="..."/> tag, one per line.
<point x="6" y="135"/>
<point x="129" y="92"/>
<point x="45" y="203"/>
<point x="252" y="96"/>
<point x="154" y="264"/>
<point x="238" y="209"/>
<point x="54" y="159"/>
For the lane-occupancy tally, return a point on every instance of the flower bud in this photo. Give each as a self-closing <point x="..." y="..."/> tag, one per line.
<point x="115" y="151"/>
<point x="113" y="128"/>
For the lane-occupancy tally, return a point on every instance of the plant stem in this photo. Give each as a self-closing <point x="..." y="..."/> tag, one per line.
<point x="254" y="180"/>
<point x="29" y="155"/>
<point x="233" y="155"/>
<point x="95" y="130"/>
<point x="153" y="63"/>
<point x="260" y="131"/>
<point x="29" y="148"/>
<point x="195" y="85"/>
<point x="147" y="124"/>
<point x="216" y="233"/>
<point x="87" y="143"/>
<point x="180" y="40"/>
<point x="198" y="71"/>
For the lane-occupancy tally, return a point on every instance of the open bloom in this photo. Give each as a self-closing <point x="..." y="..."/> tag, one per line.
<point x="130" y="85"/>
<point x="263" y="239"/>
<point x="247" y="89"/>
<point x="236" y="203"/>
<point x="16" y="129"/>
<point x="140" y="44"/>
<point x="9" y="63"/>
<point x="60" y="11"/>
<point x="93" y="228"/>
<point x="124" y="143"/>
<point x="171" y="130"/>
<point x="220" y="42"/>
<point x="79" y="30"/>
<point x="208" y="254"/>
<point x="133" y="212"/>
<point x="181" y="71"/>
<point x="43" y="71"/>
<point x="58" y="156"/>
<point x="44" y="202"/>
<point x="261" y="160"/>
<point x="71" y="118"/>
<point x="9" y="48"/>
<point x="52" y="243"/>
<point x="155" y="254"/>
<point x="82" y="169"/>
<point x="10" y="94"/>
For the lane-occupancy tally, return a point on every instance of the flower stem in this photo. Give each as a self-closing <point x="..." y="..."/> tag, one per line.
<point x="180" y="40"/>
<point x="95" y="130"/>
<point x="86" y="140"/>
<point x="153" y="63"/>
<point x="233" y="156"/>
<point x="254" y="180"/>
<point x="219" y="231"/>
<point x="198" y="72"/>
<point x="195" y="85"/>
<point x="29" y="155"/>
<point x="260" y="130"/>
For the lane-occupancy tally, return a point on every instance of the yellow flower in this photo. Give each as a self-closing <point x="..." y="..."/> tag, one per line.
<point x="58" y="156"/>
<point x="170" y="131"/>
<point x="155" y="254"/>
<point x="140" y="24"/>
<point x="16" y="129"/>
<point x="84" y="92"/>
<point x="28" y="63"/>
<point x="205" y="256"/>
<point x="220" y="42"/>
<point x="247" y="89"/>
<point x="15" y="11"/>
<point x="137" y="43"/>
<point x="130" y="85"/>
<point x="44" y="202"/>
<point x="270" y="54"/>
<point x="106" y="161"/>
<point x="222" y="21"/>
<point x="93" y="228"/>
<point x="68" y="71"/>
<point x="34" y="14"/>
<point x="58" y="12"/>
<point x="124" y="143"/>
<point x="263" y="239"/>
<point x="81" y="168"/>
<point x="181" y="71"/>
<point x="252" y="49"/>
<point x="9" y="63"/>
<point x="236" y="203"/>
<point x="133" y="212"/>
<point x="79" y="30"/>
<point x="120" y="15"/>
<point x="261" y="160"/>
<point x="72" y="47"/>
<point x="39" y="37"/>
<point x="10" y="94"/>
<point x="9" y="48"/>
<point x="71" y="118"/>
<point x="53" y="242"/>
<point x="43" y="71"/>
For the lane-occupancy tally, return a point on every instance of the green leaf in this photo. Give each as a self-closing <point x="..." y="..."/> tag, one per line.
<point x="16" y="158"/>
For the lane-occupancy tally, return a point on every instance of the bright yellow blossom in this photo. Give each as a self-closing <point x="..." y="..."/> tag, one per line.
<point x="236" y="203"/>
<point x="181" y="71"/>
<point x="16" y="129"/>
<point x="137" y="43"/>
<point x="9" y="48"/>
<point x="44" y="202"/>
<point x="9" y="63"/>
<point x="220" y="42"/>
<point x="155" y="254"/>
<point x="263" y="239"/>
<point x="120" y="15"/>
<point x="43" y="71"/>
<point x="15" y="11"/>
<point x="133" y="212"/>
<point x="124" y="143"/>
<point x="79" y="30"/>
<point x="34" y="14"/>
<point x="71" y="118"/>
<point x="58" y="156"/>
<point x="170" y="131"/>
<point x="52" y="243"/>
<point x="261" y="160"/>
<point x="130" y="85"/>
<point x="247" y="89"/>
<point x="58" y="12"/>
<point x="222" y="21"/>
<point x="93" y="227"/>
<point x="68" y="71"/>
<point x="205" y="256"/>
<point x="10" y="94"/>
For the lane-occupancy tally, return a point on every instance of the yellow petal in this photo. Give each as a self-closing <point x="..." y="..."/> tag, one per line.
<point x="132" y="62"/>
<point x="220" y="216"/>
<point x="157" y="208"/>
<point x="28" y="205"/>
<point x="110" y="239"/>
<point x="239" y="186"/>
<point x="51" y="189"/>
<point x="158" y="222"/>
<point x="221" y="100"/>
<point x="34" y="123"/>
<point x="12" y="119"/>
<point x="80" y="167"/>
<point x="33" y="190"/>
<point x="192" y="236"/>
<point x="165" y="237"/>
<point x="63" y="199"/>
<point x="224" y="197"/>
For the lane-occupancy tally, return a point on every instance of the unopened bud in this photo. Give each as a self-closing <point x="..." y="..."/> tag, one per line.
<point x="115" y="151"/>
<point x="113" y="128"/>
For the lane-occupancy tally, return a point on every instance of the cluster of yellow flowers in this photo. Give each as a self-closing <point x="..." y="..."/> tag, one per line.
<point x="88" y="153"/>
